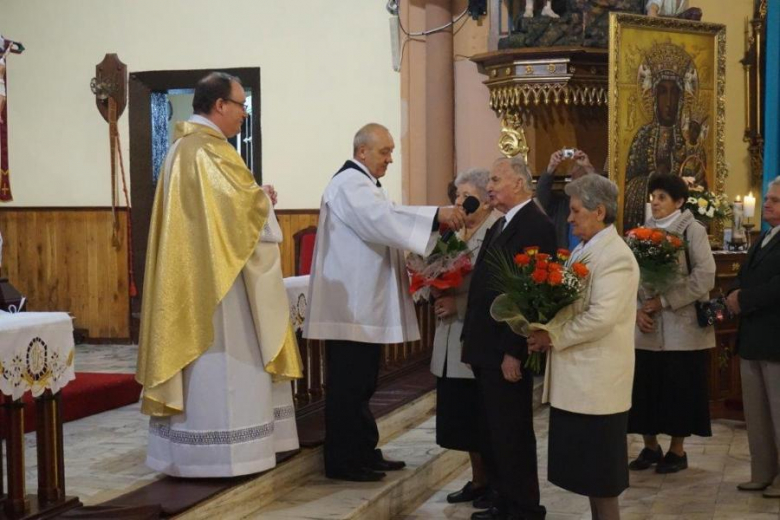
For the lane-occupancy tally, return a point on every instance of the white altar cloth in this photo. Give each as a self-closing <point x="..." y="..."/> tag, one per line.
<point x="36" y="352"/>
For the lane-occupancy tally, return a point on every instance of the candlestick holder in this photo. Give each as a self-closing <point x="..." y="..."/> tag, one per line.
<point x="748" y="229"/>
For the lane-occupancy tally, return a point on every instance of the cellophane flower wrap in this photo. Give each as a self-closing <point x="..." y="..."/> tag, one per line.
<point x="657" y="252"/>
<point x="534" y="288"/>
<point x="443" y="269"/>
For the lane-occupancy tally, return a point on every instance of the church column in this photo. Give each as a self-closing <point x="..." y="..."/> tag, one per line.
<point x="439" y="107"/>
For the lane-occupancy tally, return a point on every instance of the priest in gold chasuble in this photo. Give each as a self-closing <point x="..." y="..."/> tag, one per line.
<point x="217" y="351"/>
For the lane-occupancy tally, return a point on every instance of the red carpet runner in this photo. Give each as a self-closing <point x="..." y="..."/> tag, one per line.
<point x="90" y="393"/>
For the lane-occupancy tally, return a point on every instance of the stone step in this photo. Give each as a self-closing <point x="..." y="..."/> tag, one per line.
<point x="298" y="489"/>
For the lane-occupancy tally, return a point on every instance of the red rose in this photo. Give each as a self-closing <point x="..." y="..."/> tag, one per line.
<point x="522" y="259"/>
<point x="563" y="254"/>
<point x="542" y="257"/>
<point x="656" y="237"/>
<point x="580" y="269"/>
<point x="555" y="278"/>
<point x="541" y="265"/>
<point x="539" y="276"/>
<point x="554" y="266"/>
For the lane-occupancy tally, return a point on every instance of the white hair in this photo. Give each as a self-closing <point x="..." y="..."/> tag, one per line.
<point x="519" y="168"/>
<point x="593" y="190"/>
<point x="478" y="177"/>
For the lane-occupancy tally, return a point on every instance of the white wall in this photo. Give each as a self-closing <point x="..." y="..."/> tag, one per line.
<point x="325" y="70"/>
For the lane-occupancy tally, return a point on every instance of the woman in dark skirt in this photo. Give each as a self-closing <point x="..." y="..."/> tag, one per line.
<point x="457" y="423"/>
<point x="590" y="365"/>
<point x="670" y="381"/>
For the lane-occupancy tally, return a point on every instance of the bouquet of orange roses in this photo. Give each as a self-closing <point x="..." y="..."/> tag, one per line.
<point x="657" y="252"/>
<point x="443" y="269"/>
<point x="534" y="288"/>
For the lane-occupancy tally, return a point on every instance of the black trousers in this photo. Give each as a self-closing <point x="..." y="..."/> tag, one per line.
<point x="351" y="434"/>
<point x="508" y="441"/>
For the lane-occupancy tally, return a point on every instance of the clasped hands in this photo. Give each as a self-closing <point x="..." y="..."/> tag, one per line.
<point x="644" y="319"/>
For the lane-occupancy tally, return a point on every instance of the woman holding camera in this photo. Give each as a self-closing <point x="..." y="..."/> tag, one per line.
<point x="670" y="379"/>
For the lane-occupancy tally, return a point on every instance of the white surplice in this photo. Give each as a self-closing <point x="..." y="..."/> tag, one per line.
<point x="236" y="418"/>
<point x="359" y="288"/>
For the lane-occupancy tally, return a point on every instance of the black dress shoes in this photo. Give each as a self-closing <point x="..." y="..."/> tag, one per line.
<point x="489" y="514"/>
<point x="646" y="458"/>
<point x="356" y="475"/>
<point x="382" y="464"/>
<point x="672" y="463"/>
<point x="487" y="500"/>
<point x="467" y="494"/>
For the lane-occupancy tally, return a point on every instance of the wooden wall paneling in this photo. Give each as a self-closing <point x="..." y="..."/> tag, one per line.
<point x="62" y="259"/>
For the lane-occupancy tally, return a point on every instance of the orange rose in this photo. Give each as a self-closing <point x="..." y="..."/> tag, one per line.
<point x="554" y="266"/>
<point x="656" y="237"/>
<point x="541" y="266"/>
<point x="539" y="276"/>
<point x="676" y="242"/>
<point x="642" y="233"/>
<point x="563" y="254"/>
<point x="532" y="250"/>
<point x="580" y="269"/>
<point x="522" y="259"/>
<point x="555" y="277"/>
<point x="542" y="257"/>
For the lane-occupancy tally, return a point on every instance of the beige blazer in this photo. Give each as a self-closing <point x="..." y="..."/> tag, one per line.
<point x="676" y="326"/>
<point x="590" y="369"/>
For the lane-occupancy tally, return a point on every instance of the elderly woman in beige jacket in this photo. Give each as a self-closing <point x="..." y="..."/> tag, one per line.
<point x="670" y="380"/>
<point x="590" y="366"/>
<point x="456" y="404"/>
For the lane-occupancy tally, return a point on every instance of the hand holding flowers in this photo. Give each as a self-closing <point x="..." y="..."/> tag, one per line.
<point x="535" y="287"/>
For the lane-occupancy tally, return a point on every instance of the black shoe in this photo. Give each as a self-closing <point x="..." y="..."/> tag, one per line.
<point x="672" y="463"/>
<point x="467" y="494"/>
<point x="489" y="514"/>
<point x="356" y="475"/>
<point x="382" y="464"/>
<point x="487" y="500"/>
<point x="646" y="458"/>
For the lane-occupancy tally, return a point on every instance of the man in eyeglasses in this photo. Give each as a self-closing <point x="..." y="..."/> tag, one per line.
<point x="216" y="344"/>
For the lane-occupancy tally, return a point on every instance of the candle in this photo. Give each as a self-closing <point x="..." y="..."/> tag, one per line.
<point x="648" y="211"/>
<point x="750" y="205"/>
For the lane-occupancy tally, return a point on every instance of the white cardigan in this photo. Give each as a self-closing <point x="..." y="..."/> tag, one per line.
<point x="590" y="369"/>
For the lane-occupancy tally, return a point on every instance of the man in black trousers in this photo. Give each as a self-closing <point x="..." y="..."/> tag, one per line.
<point x="756" y="299"/>
<point x="496" y="354"/>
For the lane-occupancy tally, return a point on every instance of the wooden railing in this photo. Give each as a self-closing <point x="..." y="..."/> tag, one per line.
<point x="397" y="360"/>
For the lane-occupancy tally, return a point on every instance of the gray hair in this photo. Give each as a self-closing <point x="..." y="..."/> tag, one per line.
<point x="478" y="177"/>
<point x="593" y="190"/>
<point x="365" y="135"/>
<point x="520" y="168"/>
<point x="774" y="183"/>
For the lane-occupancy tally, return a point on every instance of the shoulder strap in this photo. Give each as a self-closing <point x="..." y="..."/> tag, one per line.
<point x="687" y="257"/>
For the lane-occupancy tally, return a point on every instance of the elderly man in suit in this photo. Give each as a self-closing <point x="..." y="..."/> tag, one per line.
<point x="756" y="299"/>
<point x="496" y="354"/>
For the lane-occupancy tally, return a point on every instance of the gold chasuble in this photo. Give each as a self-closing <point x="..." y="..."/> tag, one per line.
<point x="207" y="220"/>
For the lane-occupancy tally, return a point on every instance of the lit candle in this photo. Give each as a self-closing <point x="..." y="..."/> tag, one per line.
<point x="750" y="205"/>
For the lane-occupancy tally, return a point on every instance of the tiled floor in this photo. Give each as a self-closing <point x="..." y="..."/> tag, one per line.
<point x="705" y="491"/>
<point x="104" y="453"/>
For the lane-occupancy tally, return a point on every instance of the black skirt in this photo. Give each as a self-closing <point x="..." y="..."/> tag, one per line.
<point x="588" y="454"/>
<point x="457" y="424"/>
<point x="670" y="394"/>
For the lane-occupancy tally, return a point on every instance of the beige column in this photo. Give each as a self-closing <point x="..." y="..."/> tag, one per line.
<point x="439" y="107"/>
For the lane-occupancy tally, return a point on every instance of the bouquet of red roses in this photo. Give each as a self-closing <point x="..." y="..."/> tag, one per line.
<point x="657" y="252"/>
<point x="534" y="288"/>
<point x="443" y="269"/>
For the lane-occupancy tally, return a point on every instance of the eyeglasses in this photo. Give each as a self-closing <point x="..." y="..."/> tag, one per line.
<point x="244" y="106"/>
